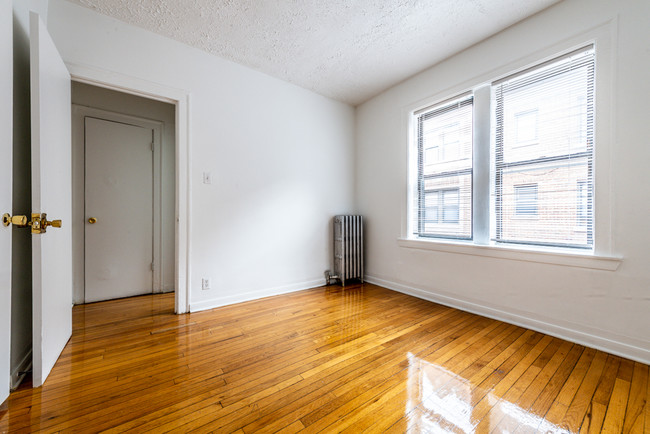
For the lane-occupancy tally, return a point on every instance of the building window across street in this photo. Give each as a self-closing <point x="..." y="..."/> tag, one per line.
<point x="526" y="200"/>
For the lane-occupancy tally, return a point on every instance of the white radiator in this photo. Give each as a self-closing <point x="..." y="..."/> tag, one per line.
<point x="348" y="249"/>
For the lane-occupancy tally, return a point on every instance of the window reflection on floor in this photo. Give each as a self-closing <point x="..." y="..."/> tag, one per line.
<point x="439" y="401"/>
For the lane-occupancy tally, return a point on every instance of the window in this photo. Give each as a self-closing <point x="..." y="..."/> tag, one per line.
<point x="526" y="200"/>
<point x="552" y="107"/>
<point x="442" y="206"/>
<point x="532" y="181"/>
<point x="444" y="180"/>
<point x="450" y="206"/>
<point x="526" y="128"/>
<point x="432" y="210"/>
<point x="583" y="204"/>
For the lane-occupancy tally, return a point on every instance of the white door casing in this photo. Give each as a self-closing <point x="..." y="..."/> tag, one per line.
<point x="119" y="191"/>
<point x="181" y="99"/>
<point x="51" y="194"/>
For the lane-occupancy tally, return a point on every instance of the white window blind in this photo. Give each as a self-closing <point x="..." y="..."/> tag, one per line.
<point x="443" y="205"/>
<point x="544" y="146"/>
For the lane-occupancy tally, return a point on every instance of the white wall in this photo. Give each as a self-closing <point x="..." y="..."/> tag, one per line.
<point x="6" y="81"/>
<point x="118" y="102"/>
<point x="281" y="157"/>
<point x="605" y="309"/>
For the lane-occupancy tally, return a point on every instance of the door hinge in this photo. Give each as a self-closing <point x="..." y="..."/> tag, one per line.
<point x="152" y="268"/>
<point x="151" y="146"/>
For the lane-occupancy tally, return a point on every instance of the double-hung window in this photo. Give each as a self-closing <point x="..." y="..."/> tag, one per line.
<point x="443" y="207"/>
<point x="544" y="147"/>
<point x="541" y="159"/>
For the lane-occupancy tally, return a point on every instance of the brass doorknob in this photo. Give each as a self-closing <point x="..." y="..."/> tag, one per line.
<point x="17" y="220"/>
<point x="40" y="223"/>
<point x="54" y="223"/>
<point x="92" y="220"/>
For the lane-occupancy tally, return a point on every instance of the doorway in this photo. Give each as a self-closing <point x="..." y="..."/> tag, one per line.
<point x="123" y="194"/>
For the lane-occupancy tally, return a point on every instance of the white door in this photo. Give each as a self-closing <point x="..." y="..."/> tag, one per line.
<point x="6" y="173"/>
<point x="119" y="210"/>
<point x="51" y="194"/>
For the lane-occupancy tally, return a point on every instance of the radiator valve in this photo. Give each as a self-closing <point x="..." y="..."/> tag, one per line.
<point x="329" y="277"/>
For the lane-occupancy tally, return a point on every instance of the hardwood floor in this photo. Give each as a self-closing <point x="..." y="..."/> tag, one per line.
<point x="326" y="359"/>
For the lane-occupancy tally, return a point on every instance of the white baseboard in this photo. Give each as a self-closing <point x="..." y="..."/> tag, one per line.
<point x="24" y="366"/>
<point x="254" y="295"/>
<point x="570" y="332"/>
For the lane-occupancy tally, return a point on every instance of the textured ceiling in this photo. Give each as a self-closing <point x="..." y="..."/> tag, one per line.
<point x="349" y="50"/>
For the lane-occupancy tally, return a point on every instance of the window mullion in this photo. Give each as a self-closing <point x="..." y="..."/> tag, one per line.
<point x="481" y="165"/>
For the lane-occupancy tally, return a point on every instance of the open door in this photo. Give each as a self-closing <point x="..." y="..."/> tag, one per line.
<point x="6" y="174"/>
<point x="51" y="201"/>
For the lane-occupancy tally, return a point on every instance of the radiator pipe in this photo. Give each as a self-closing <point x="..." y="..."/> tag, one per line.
<point x="329" y="277"/>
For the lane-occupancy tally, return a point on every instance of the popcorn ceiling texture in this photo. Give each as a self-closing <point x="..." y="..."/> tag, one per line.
<point x="345" y="50"/>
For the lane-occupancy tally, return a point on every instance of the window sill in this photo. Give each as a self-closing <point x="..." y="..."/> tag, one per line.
<point x="516" y="253"/>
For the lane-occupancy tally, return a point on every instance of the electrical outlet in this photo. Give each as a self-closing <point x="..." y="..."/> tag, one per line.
<point x="207" y="177"/>
<point x="205" y="284"/>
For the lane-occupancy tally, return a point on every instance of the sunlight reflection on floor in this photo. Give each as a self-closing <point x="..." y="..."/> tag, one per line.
<point x="439" y="401"/>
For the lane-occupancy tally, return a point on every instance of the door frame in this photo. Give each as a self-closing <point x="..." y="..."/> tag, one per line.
<point x="181" y="100"/>
<point x="79" y="114"/>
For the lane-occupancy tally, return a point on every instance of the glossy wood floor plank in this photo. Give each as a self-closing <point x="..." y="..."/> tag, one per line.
<point x="362" y="358"/>
<point x="540" y="396"/>
<point x="353" y="385"/>
<point x="474" y="356"/>
<point x="635" y="412"/>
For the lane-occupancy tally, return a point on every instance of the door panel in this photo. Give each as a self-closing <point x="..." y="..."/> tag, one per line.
<point x="6" y="148"/>
<point x="51" y="194"/>
<point x="119" y="195"/>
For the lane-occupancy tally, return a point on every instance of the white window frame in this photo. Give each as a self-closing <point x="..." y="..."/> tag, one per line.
<point x="416" y="115"/>
<point x="601" y="256"/>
